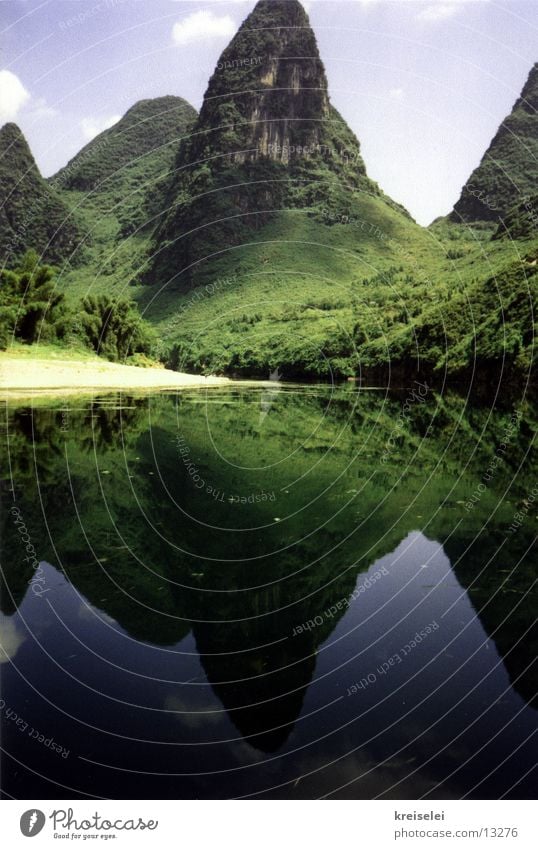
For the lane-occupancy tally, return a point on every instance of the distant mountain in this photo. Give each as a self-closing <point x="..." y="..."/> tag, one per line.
<point x="267" y="139"/>
<point x="508" y="172"/>
<point x="124" y="171"/>
<point x="32" y="214"/>
<point x="146" y="135"/>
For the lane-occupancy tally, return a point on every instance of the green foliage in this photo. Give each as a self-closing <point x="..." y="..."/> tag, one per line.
<point x="31" y="211"/>
<point x="263" y="262"/>
<point x="116" y="186"/>
<point x="267" y="139"/>
<point x="31" y="306"/>
<point x="509" y="168"/>
<point x="144" y="140"/>
<point x="114" y="327"/>
<point x="521" y="221"/>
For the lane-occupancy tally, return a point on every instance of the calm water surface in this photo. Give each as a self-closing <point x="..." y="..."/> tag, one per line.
<point x="288" y="592"/>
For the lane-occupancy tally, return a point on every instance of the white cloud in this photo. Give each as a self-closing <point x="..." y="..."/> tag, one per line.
<point x="441" y="10"/>
<point x="203" y="25"/>
<point x="13" y="96"/>
<point x="437" y="12"/>
<point x="91" y="127"/>
<point x="397" y="93"/>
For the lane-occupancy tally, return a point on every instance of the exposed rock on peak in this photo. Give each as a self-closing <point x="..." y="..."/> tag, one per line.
<point x="267" y="138"/>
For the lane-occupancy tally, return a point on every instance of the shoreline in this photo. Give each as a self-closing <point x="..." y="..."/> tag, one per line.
<point x="25" y="376"/>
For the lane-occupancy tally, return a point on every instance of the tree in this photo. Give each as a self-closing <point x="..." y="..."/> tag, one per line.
<point x="114" y="328"/>
<point x="30" y="304"/>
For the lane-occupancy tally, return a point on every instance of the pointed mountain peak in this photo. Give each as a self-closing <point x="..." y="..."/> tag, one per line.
<point x="269" y="90"/>
<point x="279" y="12"/>
<point x="267" y="139"/>
<point x="508" y="172"/>
<point x="529" y="96"/>
<point x="31" y="214"/>
<point x="11" y="132"/>
<point x="15" y="154"/>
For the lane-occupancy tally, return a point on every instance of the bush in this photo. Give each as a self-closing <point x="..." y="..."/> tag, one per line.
<point x="30" y="306"/>
<point x="114" y="328"/>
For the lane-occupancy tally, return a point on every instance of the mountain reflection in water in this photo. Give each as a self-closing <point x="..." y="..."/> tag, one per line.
<point x="286" y="598"/>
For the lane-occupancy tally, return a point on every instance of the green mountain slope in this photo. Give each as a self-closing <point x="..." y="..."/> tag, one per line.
<point x="117" y="185"/>
<point x="146" y="132"/>
<point x="508" y="171"/>
<point x="482" y="328"/>
<point x="272" y="210"/>
<point x="254" y="240"/>
<point x="32" y="214"/>
<point x="266" y="139"/>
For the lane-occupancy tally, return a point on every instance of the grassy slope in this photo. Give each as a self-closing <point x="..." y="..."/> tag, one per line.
<point x="314" y="299"/>
<point x="485" y="315"/>
<point x="313" y="294"/>
<point x="293" y="295"/>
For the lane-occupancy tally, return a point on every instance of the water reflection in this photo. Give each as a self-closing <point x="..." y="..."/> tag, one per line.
<point x="275" y="645"/>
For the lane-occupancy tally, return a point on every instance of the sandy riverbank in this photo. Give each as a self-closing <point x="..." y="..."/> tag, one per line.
<point x="25" y="376"/>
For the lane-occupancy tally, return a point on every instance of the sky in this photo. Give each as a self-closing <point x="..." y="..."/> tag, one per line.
<point x="424" y="84"/>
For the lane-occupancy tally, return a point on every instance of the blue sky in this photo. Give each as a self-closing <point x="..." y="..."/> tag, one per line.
<point x="423" y="83"/>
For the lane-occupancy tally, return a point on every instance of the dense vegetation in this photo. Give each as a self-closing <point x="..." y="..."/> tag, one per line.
<point x="267" y="139"/>
<point x="144" y="139"/>
<point x="32" y="213"/>
<point x="265" y="243"/>
<point x="33" y="309"/>
<point x="30" y="303"/>
<point x="114" y="328"/>
<point x="116" y="186"/>
<point x="509" y="168"/>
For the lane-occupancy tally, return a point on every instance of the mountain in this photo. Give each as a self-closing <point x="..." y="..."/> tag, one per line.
<point x="130" y="160"/>
<point x="521" y="221"/>
<point x="271" y="209"/>
<point x="32" y="214"/>
<point x="118" y="183"/>
<point x="267" y="139"/>
<point x="253" y="238"/>
<point x="143" y="139"/>
<point x="485" y="327"/>
<point x="508" y="172"/>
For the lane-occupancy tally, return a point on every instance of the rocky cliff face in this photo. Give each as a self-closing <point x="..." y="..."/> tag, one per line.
<point x="32" y="215"/>
<point x="268" y="95"/>
<point x="508" y="172"/>
<point x="267" y="138"/>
